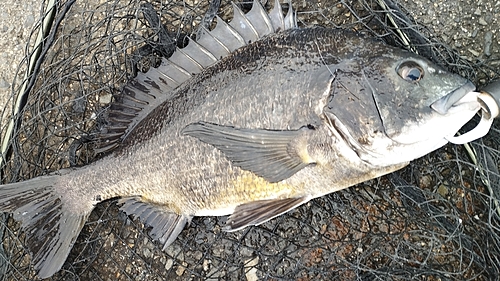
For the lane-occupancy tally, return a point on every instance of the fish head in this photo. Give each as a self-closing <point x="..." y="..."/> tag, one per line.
<point x="394" y="106"/>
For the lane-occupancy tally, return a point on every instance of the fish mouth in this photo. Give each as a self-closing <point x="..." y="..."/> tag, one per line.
<point x="463" y="97"/>
<point x="489" y="108"/>
<point x="443" y="105"/>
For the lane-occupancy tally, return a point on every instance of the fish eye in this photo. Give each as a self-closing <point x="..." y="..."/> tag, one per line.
<point x="410" y="71"/>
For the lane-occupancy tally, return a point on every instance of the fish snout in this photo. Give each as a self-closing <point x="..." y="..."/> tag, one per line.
<point x="443" y="104"/>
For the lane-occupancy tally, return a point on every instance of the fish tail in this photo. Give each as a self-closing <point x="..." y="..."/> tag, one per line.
<point x="51" y="224"/>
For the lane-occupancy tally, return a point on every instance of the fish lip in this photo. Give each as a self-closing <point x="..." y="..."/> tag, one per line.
<point x="443" y="104"/>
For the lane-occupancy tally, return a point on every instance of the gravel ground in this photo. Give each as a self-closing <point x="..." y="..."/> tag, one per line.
<point x="17" y="19"/>
<point x="471" y="27"/>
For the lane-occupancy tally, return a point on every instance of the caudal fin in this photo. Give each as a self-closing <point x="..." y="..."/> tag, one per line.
<point x="51" y="227"/>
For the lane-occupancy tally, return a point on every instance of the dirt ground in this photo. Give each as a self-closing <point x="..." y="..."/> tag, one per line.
<point x="426" y="222"/>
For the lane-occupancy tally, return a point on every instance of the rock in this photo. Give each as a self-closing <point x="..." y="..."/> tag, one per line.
<point x="488" y="39"/>
<point x="4" y="84"/>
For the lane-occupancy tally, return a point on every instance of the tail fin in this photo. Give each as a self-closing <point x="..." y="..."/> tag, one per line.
<point x="51" y="227"/>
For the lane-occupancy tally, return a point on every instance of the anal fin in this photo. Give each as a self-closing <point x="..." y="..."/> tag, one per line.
<point x="258" y="212"/>
<point x="166" y="224"/>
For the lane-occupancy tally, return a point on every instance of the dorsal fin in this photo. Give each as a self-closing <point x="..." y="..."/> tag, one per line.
<point x="148" y="90"/>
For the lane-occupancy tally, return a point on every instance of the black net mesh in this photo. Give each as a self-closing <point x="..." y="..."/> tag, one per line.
<point x="437" y="219"/>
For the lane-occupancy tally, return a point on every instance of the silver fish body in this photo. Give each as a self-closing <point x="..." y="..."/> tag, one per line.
<point x="293" y="116"/>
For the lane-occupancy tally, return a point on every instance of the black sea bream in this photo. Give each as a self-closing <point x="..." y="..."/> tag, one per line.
<point x="253" y="119"/>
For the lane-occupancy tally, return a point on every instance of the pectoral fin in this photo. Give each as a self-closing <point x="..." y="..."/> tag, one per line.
<point x="273" y="155"/>
<point x="165" y="223"/>
<point x="258" y="212"/>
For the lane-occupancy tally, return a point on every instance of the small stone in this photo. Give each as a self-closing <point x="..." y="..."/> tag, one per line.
<point x="206" y="265"/>
<point x="28" y="22"/>
<point x="147" y="252"/>
<point x="425" y="181"/>
<point x="181" y="268"/>
<point x="198" y="255"/>
<point x="251" y="275"/>
<point x="475" y="53"/>
<point x="105" y="99"/>
<point x="488" y="39"/>
<point x="169" y="264"/>
<point x="482" y="21"/>
<point x="175" y="251"/>
<point x="488" y="18"/>
<point x="442" y="190"/>
<point x="4" y="84"/>
<point x="246" y="252"/>
<point x="477" y="12"/>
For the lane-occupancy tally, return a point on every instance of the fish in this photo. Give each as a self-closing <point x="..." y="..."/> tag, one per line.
<point x="251" y="120"/>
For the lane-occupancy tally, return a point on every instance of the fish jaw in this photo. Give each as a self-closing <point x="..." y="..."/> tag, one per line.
<point x="445" y="103"/>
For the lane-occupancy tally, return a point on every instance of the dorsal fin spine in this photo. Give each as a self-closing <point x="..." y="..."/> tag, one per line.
<point x="243" y="26"/>
<point x="195" y="62"/>
<point x="158" y="73"/>
<point x="222" y="28"/>
<point x="208" y="41"/>
<point x="184" y="63"/>
<point x="180" y="69"/>
<point x="276" y="17"/>
<point x="194" y="48"/>
<point x="170" y="70"/>
<point x="113" y="135"/>
<point x="148" y="90"/>
<point x="291" y="17"/>
<point x="143" y="102"/>
<point x="126" y="114"/>
<point x="260" y="20"/>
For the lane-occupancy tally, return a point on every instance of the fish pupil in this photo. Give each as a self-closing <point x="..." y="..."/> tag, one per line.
<point x="413" y="74"/>
<point x="410" y="71"/>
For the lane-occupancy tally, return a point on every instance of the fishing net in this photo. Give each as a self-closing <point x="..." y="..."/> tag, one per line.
<point x="437" y="219"/>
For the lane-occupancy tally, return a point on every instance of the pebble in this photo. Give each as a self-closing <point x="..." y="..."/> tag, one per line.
<point x="169" y="264"/>
<point x="29" y="21"/>
<point x="488" y="18"/>
<point x="475" y="53"/>
<point x="474" y="33"/>
<point x="175" y="251"/>
<point x="181" y="268"/>
<point x="442" y="190"/>
<point x="206" y="265"/>
<point x="105" y="99"/>
<point x="251" y="274"/>
<point x="4" y="84"/>
<point x="488" y="39"/>
<point x="147" y="253"/>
